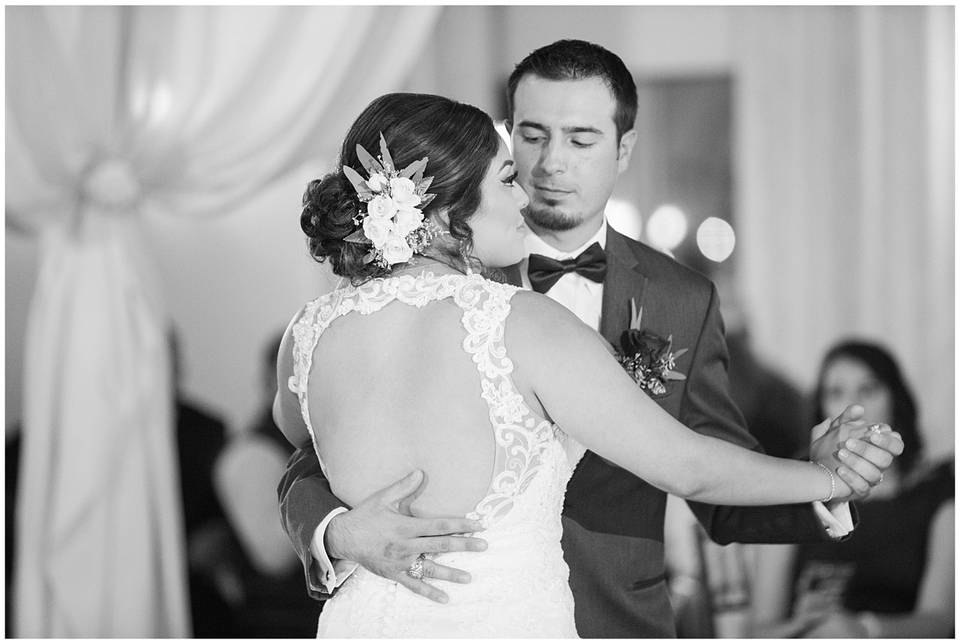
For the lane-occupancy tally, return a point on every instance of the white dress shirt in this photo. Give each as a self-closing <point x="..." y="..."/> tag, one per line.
<point x="581" y="295"/>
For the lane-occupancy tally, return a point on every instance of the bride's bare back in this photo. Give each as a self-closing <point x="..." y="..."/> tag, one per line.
<point x="393" y="391"/>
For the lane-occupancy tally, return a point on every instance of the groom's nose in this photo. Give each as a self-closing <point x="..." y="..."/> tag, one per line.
<point x="553" y="157"/>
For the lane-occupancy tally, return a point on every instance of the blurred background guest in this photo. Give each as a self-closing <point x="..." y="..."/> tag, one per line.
<point x="773" y="407"/>
<point x="212" y="566"/>
<point x="273" y="599"/>
<point x="11" y="472"/>
<point x="895" y="577"/>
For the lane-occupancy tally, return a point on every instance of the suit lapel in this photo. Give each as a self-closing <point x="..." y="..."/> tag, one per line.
<point x="624" y="281"/>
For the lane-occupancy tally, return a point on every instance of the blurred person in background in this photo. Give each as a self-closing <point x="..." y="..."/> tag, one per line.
<point x="14" y="442"/>
<point x="772" y="406"/>
<point x="211" y="553"/>
<point x="271" y="600"/>
<point x="895" y="577"/>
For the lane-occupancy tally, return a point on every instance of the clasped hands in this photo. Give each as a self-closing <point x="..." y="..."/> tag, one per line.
<point x="383" y="536"/>
<point x="856" y="451"/>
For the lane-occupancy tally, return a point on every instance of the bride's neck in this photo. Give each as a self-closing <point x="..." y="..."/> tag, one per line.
<point x="421" y="264"/>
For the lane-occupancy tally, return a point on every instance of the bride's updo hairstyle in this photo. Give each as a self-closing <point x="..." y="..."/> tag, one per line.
<point x="457" y="139"/>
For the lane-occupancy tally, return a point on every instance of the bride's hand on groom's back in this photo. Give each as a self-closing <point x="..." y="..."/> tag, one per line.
<point x="856" y="453"/>
<point x="382" y="536"/>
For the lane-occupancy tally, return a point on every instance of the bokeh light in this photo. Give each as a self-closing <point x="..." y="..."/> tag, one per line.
<point x="152" y="104"/>
<point x="624" y="217"/>
<point x="667" y="227"/>
<point x="716" y="239"/>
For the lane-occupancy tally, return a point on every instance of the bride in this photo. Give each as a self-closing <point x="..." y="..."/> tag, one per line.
<point x="423" y="359"/>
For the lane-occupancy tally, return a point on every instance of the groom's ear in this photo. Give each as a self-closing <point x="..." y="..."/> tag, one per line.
<point x="625" y="150"/>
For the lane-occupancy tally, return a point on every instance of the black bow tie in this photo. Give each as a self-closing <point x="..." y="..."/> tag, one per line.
<point x="544" y="272"/>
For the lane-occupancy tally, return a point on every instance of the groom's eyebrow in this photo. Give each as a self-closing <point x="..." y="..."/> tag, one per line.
<point x="540" y="127"/>
<point x="582" y="130"/>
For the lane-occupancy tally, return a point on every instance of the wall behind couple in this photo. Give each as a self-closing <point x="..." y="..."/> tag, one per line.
<point x="843" y="200"/>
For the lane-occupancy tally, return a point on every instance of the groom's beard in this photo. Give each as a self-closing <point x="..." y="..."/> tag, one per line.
<point x="546" y="217"/>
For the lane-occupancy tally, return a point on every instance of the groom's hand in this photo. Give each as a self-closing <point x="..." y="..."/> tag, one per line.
<point x="381" y="535"/>
<point x="859" y="455"/>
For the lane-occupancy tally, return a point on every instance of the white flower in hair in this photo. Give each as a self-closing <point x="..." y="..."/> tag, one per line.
<point x="377" y="182"/>
<point x="382" y="207"/>
<point x="408" y="220"/>
<point x="404" y="192"/>
<point x="377" y="229"/>
<point x="393" y="220"/>
<point x="396" y="249"/>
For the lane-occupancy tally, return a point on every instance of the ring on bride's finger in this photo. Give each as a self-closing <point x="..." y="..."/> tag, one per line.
<point x="881" y="478"/>
<point x="875" y="428"/>
<point x="416" y="569"/>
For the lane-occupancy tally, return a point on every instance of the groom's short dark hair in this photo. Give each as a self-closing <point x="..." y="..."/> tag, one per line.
<point x="579" y="60"/>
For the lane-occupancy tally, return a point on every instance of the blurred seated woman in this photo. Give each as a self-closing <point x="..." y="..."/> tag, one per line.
<point x="894" y="577"/>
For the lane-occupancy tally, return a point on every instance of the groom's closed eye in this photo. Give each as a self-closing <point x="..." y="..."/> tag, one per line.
<point x="532" y="133"/>
<point x="584" y="141"/>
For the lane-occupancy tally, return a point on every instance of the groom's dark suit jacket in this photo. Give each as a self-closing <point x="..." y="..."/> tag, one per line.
<point x="613" y="521"/>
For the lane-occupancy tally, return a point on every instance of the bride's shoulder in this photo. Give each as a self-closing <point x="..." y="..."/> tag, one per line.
<point x="526" y="303"/>
<point x="539" y="320"/>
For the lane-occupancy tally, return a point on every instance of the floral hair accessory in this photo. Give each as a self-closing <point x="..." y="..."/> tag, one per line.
<point x="647" y="357"/>
<point x="392" y="221"/>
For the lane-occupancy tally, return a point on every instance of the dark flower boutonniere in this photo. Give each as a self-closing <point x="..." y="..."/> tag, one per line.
<point x="647" y="357"/>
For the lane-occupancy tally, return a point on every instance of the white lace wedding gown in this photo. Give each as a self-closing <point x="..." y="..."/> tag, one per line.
<point x="519" y="584"/>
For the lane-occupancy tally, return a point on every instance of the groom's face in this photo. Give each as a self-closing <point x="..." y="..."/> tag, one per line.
<point x="566" y="149"/>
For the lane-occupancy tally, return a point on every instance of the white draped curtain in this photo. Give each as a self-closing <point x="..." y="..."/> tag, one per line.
<point x="112" y="112"/>
<point x="845" y="193"/>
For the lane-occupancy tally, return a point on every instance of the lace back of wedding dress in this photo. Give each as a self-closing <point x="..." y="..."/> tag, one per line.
<point x="521" y="509"/>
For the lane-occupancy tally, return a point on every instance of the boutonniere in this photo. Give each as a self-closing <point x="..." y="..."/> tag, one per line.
<point x="647" y="357"/>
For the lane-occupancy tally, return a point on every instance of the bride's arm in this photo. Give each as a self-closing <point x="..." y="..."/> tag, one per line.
<point x="585" y="391"/>
<point x="286" y="404"/>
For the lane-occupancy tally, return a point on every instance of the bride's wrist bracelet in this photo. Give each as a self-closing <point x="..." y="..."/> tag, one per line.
<point x="833" y="481"/>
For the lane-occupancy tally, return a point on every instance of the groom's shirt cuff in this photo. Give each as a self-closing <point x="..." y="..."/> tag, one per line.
<point x="332" y="574"/>
<point x="837" y="520"/>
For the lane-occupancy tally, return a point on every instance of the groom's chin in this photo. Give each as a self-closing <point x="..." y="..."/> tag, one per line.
<point x="551" y="218"/>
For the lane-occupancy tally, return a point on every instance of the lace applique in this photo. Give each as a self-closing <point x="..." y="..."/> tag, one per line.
<point x="520" y="439"/>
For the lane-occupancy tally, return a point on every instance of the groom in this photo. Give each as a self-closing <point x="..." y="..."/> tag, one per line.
<point x="572" y="108"/>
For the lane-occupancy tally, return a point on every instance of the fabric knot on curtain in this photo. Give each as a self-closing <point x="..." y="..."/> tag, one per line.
<point x="112" y="185"/>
